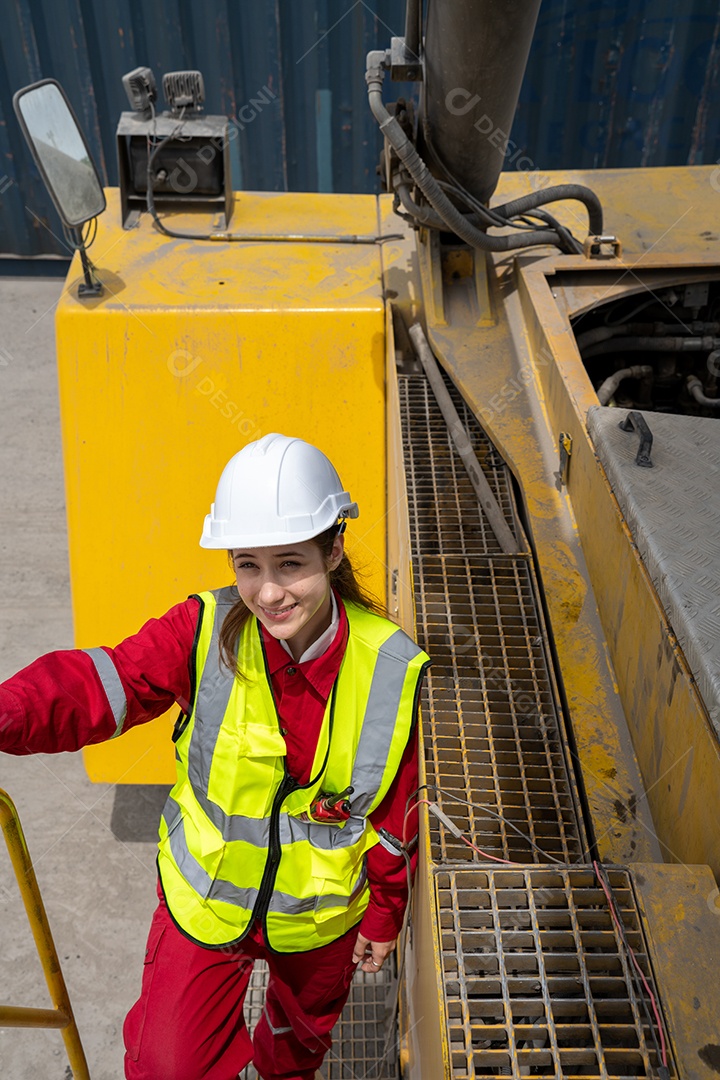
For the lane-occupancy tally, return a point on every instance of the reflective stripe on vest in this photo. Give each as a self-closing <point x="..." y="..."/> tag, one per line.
<point x="218" y="889"/>
<point x="113" y="687"/>
<point x="233" y="843"/>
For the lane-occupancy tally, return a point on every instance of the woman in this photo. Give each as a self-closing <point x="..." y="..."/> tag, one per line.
<point x="282" y="837"/>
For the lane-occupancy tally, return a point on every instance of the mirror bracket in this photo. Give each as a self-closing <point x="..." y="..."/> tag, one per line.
<point x="91" y="287"/>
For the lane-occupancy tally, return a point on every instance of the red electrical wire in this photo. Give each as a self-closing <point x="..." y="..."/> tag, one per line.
<point x="485" y="854"/>
<point x="658" y="1021"/>
<point x="407" y="815"/>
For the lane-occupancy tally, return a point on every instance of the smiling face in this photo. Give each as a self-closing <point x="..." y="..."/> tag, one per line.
<point x="288" y="589"/>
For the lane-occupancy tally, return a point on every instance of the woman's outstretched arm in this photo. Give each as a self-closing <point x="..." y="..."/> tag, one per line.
<point x="75" y="697"/>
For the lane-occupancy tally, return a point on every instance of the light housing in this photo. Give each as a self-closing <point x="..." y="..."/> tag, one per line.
<point x="141" y="89"/>
<point x="184" y="91"/>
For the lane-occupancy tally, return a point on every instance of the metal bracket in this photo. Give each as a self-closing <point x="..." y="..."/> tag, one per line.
<point x="405" y="66"/>
<point x="602" y="247"/>
<point x="565" y="447"/>
<point x="637" y="422"/>
<point x="91" y="290"/>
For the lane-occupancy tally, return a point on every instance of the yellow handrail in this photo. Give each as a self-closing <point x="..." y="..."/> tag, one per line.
<point x="62" y="1015"/>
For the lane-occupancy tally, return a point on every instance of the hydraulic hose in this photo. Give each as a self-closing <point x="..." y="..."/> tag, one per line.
<point x="454" y="221"/>
<point x="583" y="194"/>
<point x="608" y="389"/>
<point x="423" y="214"/>
<point x="482" y="216"/>
<point x="658" y="329"/>
<point x="653" y="344"/>
<point x="696" y="389"/>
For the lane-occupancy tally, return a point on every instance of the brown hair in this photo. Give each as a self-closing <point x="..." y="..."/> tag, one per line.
<point x="343" y="580"/>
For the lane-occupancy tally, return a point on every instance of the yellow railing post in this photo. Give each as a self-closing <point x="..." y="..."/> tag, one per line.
<point x="62" y="1015"/>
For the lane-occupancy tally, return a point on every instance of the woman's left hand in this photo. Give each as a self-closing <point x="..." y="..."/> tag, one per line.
<point x="372" y="954"/>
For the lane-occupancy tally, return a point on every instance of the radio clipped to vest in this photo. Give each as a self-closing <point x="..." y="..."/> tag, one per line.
<point x="330" y="808"/>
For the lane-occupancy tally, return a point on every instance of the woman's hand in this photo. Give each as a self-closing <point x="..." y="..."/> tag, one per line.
<point x="372" y="954"/>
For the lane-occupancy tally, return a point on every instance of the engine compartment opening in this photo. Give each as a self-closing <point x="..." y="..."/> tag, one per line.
<point x="658" y="351"/>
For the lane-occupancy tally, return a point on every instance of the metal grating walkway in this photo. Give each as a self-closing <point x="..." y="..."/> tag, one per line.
<point x="359" y="1050"/>
<point x="536" y="980"/>
<point x="491" y="722"/>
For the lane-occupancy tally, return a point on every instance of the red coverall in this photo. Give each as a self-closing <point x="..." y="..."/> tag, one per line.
<point x="188" y="1022"/>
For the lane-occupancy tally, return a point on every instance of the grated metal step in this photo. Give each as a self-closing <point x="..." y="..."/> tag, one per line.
<point x="536" y="980"/>
<point x="360" y="1047"/>
<point x="492" y="725"/>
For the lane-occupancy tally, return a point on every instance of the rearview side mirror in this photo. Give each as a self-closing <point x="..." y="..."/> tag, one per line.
<point x="61" y="154"/>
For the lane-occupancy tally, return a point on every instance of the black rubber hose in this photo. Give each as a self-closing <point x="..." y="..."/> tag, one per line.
<point x="454" y="220"/>
<point x="653" y="344"/>
<point x="553" y="194"/>
<point x="639" y="329"/>
<point x="605" y="333"/>
<point x="570" y="245"/>
<point x="424" y="214"/>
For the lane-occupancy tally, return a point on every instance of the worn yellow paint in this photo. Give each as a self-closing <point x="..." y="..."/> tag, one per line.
<point x="400" y="592"/>
<point x="524" y="380"/>
<point x="669" y="211"/>
<point x="195" y="350"/>
<point x="676" y="747"/>
<point x="683" y="931"/>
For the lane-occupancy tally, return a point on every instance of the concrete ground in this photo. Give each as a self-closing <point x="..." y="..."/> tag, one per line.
<point x="93" y="845"/>
<point x="98" y="885"/>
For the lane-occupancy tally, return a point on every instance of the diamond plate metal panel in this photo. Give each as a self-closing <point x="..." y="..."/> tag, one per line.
<point x="673" y="512"/>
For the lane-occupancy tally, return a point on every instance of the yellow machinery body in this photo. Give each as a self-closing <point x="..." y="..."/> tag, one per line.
<point x="194" y="351"/>
<point x="196" y="348"/>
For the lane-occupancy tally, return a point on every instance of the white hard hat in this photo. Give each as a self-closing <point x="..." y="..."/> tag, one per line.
<point x="275" y="490"/>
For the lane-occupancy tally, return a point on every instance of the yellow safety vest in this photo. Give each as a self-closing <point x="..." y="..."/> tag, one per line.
<point x="235" y="842"/>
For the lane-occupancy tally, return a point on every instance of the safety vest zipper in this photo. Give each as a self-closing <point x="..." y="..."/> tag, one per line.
<point x="288" y="784"/>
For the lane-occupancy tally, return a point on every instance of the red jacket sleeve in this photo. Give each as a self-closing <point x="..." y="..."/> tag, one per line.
<point x="387" y="869"/>
<point x="69" y="699"/>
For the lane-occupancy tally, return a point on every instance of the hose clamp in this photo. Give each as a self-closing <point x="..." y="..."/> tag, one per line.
<point x="602" y="247"/>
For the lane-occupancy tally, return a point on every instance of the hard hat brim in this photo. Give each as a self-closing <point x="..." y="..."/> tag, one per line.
<point x="214" y="538"/>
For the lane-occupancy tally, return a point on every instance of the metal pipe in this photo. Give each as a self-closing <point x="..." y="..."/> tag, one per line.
<point x="12" y="1016"/>
<point x="37" y="917"/>
<point x="447" y="215"/>
<point x="413" y="27"/>
<point x="607" y="389"/>
<point x="695" y="387"/>
<point x="475" y="55"/>
<point x="487" y="500"/>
